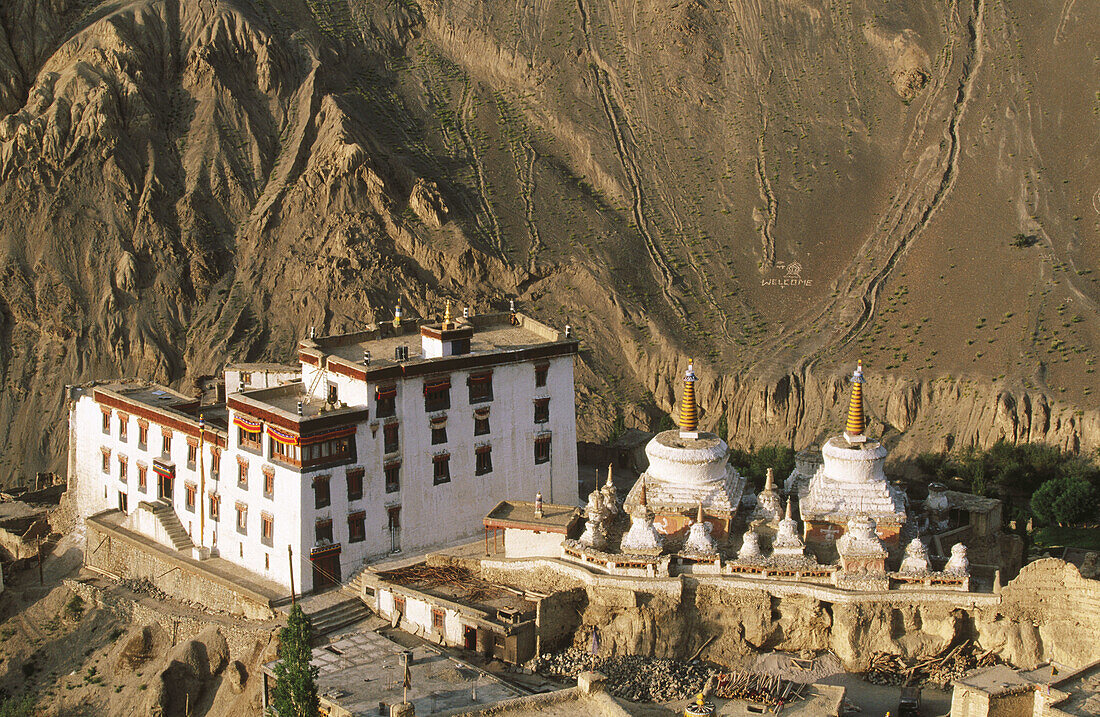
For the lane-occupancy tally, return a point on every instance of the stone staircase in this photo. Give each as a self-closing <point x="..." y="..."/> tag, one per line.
<point x="354" y="586"/>
<point x="341" y="614"/>
<point x="168" y="520"/>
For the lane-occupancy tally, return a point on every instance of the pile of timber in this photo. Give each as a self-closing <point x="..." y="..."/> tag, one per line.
<point x="757" y="687"/>
<point x="941" y="670"/>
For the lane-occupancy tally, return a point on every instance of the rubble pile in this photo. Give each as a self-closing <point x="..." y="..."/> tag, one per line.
<point x="941" y="670"/>
<point x="632" y="677"/>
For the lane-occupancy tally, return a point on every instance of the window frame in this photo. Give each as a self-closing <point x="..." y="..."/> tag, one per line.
<point x="143" y="477"/>
<point x="542" y="409"/>
<point x="267" y="528"/>
<point x="269" y="481"/>
<point x="242" y="473"/>
<point x="441" y="476"/>
<point x="106" y="421"/>
<point x="143" y="434"/>
<point x="542" y="374"/>
<point x="215" y="505"/>
<point x="318" y="526"/>
<point x="165" y="443"/>
<point x="392" y="486"/>
<point x="385" y="400"/>
<point x="123" y="468"/>
<point x="483" y="460"/>
<point x="357" y="526"/>
<point x="480" y="385"/>
<point x="354" y="477"/>
<point x="190" y="493"/>
<point x="544" y="439"/>
<point x="437" y="394"/>
<point x="388" y="428"/>
<point x="242" y="518"/>
<point x="123" y="427"/>
<point x="325" y="480"/>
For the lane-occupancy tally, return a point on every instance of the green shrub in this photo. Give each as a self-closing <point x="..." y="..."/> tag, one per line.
<point x="1067" y="499"/>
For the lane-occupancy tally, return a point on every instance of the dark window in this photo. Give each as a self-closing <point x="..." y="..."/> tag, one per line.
<point x="442" y="469"/>
<point x="107" y="422"/>
<point x="481" y="424"/>
<point x="189" y="492"/>
<point x="242" y="518"/>
<point x="399" y="604"/>
<point x="246" y="378"/>
<point x="122" y="468"/>
<point x="484" y="460"/>
<point x="250" y="440"/>
<point x="215" y="506"/>
<point x="542" y="410"/>
<point x="438" y="617"/>
<point x="106" y="461"/>
<point x="269" y="483"/>
<point x="321" y="496"/>
<point x="333" y="393"/>
<point x="122" y="502"/>
<point x="142" y="480"/>
<point x="192" y="454"/>
<point x="323" y="531"/>
<point x="357" y="527"/>
<point x="267" y="529"/>
<point x="437" y="394"/>
<point x="385" y="399"/>
<point x="355" y="484"/>
<point x="540" y="374"/>
<point x="439" y="433"/>
<point x="123" y="423"/>
<point x="390" y="443"/>
<point x="242" y="475"/>
<point x="166" y="443"/>
<point x="215" y="462"/>
<point x="393" y="477"/>
<point x="143" y="435"/>
<point x="542" y="449"/>
<point x="481" y="387"/>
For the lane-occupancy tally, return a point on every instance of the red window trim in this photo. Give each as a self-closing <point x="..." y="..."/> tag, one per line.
<point x="483" y="449"/>
<point x="441" y="457"/>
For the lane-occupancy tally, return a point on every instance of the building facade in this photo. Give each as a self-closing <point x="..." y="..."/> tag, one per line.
<point x="397" y="438"/>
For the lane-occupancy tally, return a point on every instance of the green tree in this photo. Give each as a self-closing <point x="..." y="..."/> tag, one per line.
<point x="1065" y="500"/>
<point x="295" y="693"/>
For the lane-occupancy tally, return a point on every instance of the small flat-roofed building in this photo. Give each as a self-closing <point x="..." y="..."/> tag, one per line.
<point x="1001" y="691"/>
<point x="399" y="437"/>
<point x="530" y="529"/>
<point x="451" y="605"/>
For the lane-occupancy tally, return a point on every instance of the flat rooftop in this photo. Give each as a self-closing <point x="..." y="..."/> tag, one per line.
<point x="997" y="679"/>
<point x="521" y="514"/>
<point x="284" y="400"/>
<point x="362" y="669"/>
<point x="459" y="585"/>
<point x="150" y="394"/>
<point x="492" y="333"/>
<point x="970" y="502"/>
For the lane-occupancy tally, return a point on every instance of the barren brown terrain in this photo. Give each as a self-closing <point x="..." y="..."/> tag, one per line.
<point x="775" y="188"/>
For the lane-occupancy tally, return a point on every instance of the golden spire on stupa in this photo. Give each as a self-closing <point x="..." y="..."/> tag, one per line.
<point x="689" y="412"/>
<point x="448" y="322"/>
<point x="857" y="424"/>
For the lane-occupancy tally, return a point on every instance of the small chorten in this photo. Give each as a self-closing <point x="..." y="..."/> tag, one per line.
<point x="769" y="506"/>
<point x="916" y="558"/>
<point x="689" y="412"/>
<point x="857" y="424"/>
<point x="750" y="548"/>
<point x="538" y="504"/>
<point x="642" y="538"/>
<point x="860" y="549"/>
<point x="958" y="564"/>
<point x="787" y="543"/>
<point x="699" y="540"/>
<point x="610" y="495"/>
<point x="595" y="534"/>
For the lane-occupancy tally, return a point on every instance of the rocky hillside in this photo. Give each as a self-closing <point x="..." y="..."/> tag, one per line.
<point x="775" y="188"/>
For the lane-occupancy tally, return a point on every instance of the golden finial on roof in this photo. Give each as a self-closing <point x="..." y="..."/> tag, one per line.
<point x="448" y="322"/>
<point x="853" y="432"/>
<point x="689" y="413"/>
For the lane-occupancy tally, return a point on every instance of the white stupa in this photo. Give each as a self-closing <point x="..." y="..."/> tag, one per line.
<point x="688" y="467"/>
<point x="769" y="506"/>
<point x="642" y="538"/>
<point x="787" y="543"/>
<point x="699" y="540"/>
<point x="750" y="548"/>
<point x="958" y="564"/>
<point x="916" y="558"/>
<point x="851" y="481"/>
<point x="595" y="530"/>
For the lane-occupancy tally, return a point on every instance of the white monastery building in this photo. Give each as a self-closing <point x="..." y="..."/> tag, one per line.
<point x="396" y="438"/>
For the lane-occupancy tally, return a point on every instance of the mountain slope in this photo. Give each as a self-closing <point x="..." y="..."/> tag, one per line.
<point x="775" y="188"/>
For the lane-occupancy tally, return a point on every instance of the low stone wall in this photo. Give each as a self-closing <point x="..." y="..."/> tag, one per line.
<point x="240" y="636"/>
<point x="122" y="554"/>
